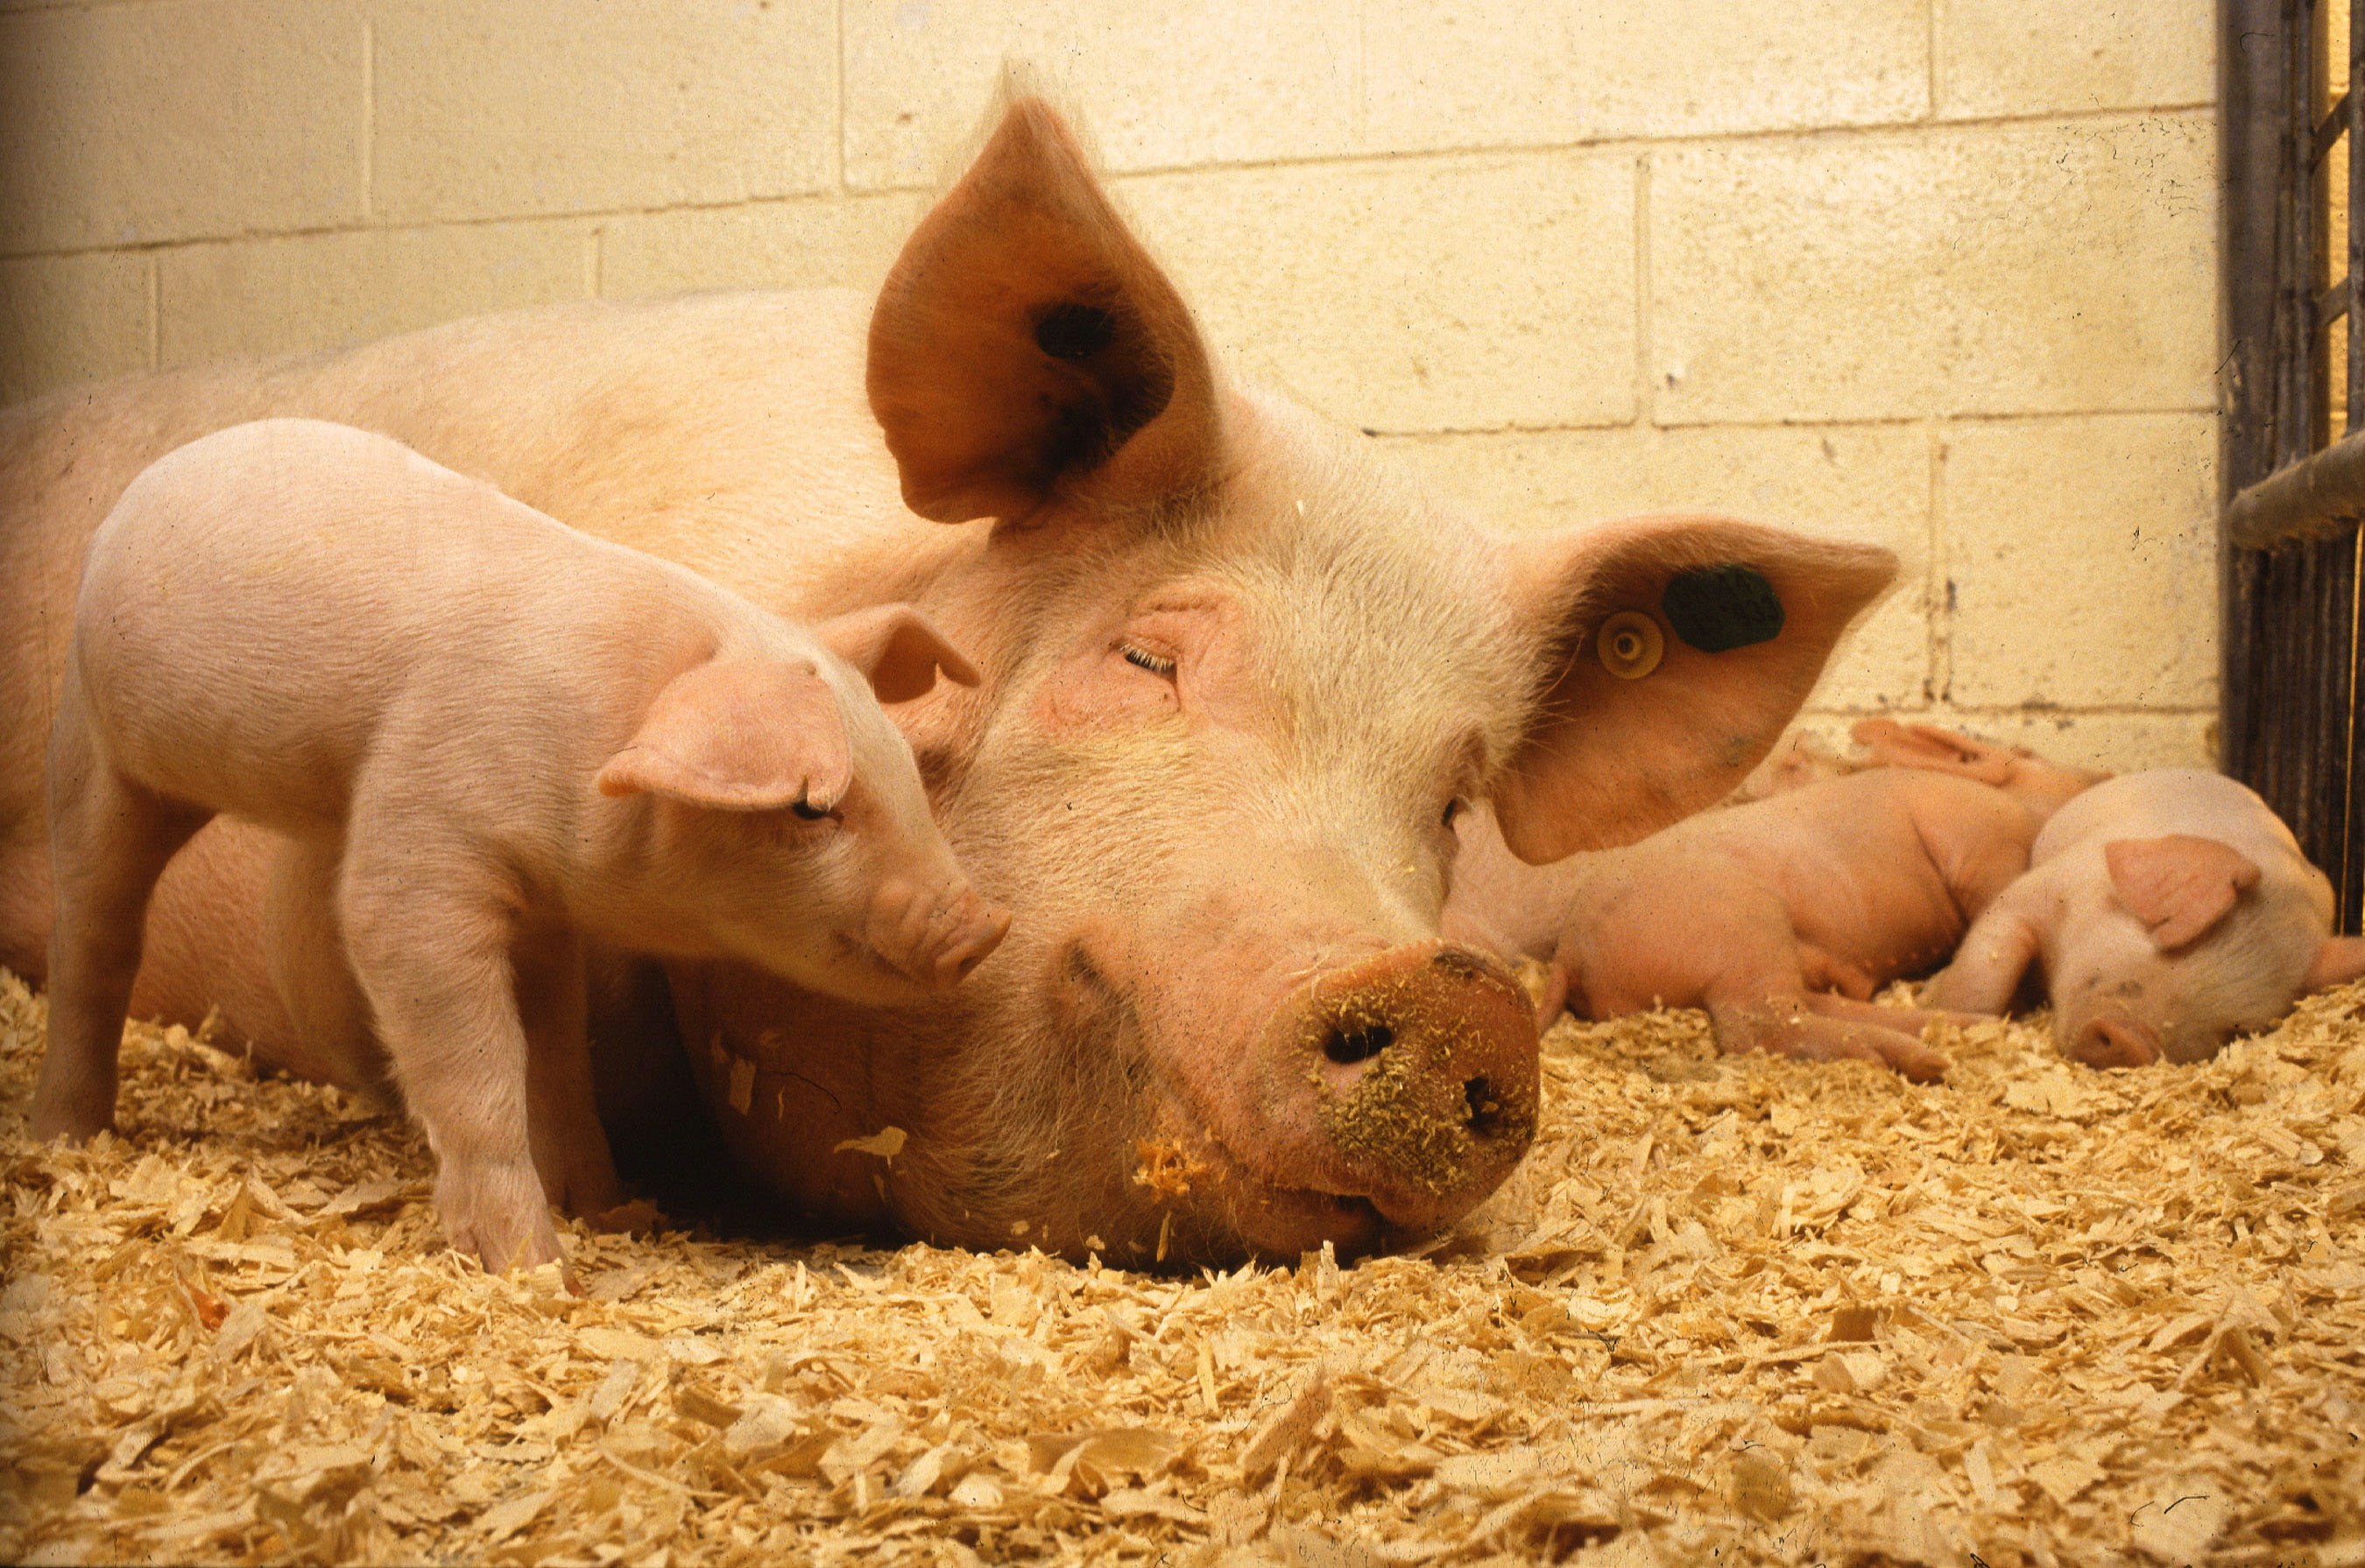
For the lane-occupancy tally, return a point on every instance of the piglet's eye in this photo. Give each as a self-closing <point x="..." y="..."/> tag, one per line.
<point x="1453" y="807"/>
<point x="810" y="811"/>
<point x="1142" y="659"/>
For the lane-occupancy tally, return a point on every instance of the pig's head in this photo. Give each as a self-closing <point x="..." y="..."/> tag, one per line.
<point x="2040" y="785"/>
<point x="786" y="814"/>
<point x="1240" y="676"/>
<point x="2199" y="943"/>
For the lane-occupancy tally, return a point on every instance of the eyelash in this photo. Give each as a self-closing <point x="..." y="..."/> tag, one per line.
<point x="1142" y="659"/>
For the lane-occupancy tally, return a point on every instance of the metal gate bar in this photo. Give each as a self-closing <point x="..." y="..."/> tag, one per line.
<point x="2292" y="550"/>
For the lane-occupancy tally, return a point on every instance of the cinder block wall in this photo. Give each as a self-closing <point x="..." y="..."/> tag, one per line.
<point x="1935" y="272"/>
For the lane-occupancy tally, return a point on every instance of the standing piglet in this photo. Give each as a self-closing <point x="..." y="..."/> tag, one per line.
<point x="2168" y="911"/>
<point x="1781" y="917"/>
<point x="489" y="739"/>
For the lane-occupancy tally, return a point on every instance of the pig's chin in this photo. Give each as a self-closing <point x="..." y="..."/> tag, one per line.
<point x="1241" y="1210"/>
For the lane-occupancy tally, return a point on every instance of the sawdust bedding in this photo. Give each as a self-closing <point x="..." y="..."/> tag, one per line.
<point x="1728" y="1311"/>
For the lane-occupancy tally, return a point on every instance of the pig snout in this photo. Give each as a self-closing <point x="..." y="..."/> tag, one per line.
<point x="2114" y="1040"/>
<point x="1408" y="1079"/>
<point x="934" y="935"/>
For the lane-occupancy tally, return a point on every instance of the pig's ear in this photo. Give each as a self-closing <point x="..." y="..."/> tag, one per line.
<point x="1672" y="650"/>
<point x="896" y="649"/>
<point x="1026" y="349"/>
<point x="1893" y="744"/>
<point x="741" y="735"/>
<point x="2178" y="885"/>
<point x="2338" y="962"/>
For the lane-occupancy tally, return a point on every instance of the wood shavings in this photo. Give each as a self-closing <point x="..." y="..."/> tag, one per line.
<point x="1730" y="1310"/>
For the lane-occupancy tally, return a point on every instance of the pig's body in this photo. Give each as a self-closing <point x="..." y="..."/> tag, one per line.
<point x="1239" y="672"/>
<point x="490" y="737"/>
<point x="2166" y="911"/>
<point x="1782" y="915"/>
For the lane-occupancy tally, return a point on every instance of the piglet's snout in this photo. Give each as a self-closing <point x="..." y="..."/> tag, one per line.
<point x="2109" y="1040"/>
<point x="1409" y="1079"/>
<point x="935" y="935"/>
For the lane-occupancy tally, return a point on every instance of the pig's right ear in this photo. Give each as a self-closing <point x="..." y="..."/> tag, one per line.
<point x="1669" y="653"/>
<point x="739" y="734"/>
<point x="896" y="649"/>
<point x="1024" y="348"/>
<point x="1893" y="744"/>
<point x="2178" y="885"/>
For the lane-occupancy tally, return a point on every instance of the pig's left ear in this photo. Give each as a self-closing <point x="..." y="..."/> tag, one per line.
<point x="742" y="735"/>
<point x="1672" y="652"/>
<point x="2338" y="962"/>
<point x="2178" y="885"/>
<point x="896" y="649"/>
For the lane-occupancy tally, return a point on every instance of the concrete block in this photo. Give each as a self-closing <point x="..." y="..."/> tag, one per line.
<point x="507" y="107"/>
<point x="2019" y="57"/>
<point x="1990" y="269"/>
<point x="1232" y="81"/>
<point x="2081" y="556"/>
<point x="69" y="319"/>
<point x="273" y="296"/>
<point x="1436" y="294"/>
<point x="1870" y="484"/>
<point x="1500" y="72"/>
<point x="815" y="241"/>
<point x="125" y="125"/>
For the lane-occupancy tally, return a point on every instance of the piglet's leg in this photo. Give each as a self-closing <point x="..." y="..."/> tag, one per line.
<point x="109" y="839"/>
<point x="304" y="943"/>
<point x="1987" y="967"/>
<point x="570" y="1148"/>
<point x="429" y="935"/>
<point x="1796" y="1026"/>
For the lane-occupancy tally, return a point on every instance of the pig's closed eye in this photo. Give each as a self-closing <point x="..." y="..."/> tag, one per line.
<point x="812" y="813"/>
<point x="1142" y="659"/>
<point x="1453" y="807"/>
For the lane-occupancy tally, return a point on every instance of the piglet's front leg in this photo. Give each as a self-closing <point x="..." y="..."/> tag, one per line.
<point x="431" y="938"/>
<point x="570" y="1146"/>
<point x="1986" y="973"/>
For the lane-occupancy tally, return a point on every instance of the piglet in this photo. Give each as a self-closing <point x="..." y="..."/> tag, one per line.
<point x="2168" y="911"/>
<point x="1782" y="916"/>
<point x="489" y="739"/>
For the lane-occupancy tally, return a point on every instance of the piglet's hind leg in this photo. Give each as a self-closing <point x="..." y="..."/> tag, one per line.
<point x="109" y="840"/>
<point x="430" y="942"/>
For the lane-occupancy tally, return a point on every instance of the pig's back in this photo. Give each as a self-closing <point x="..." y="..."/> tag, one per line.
<point x="2160" y="802"/>
<point x="262" y="599"/>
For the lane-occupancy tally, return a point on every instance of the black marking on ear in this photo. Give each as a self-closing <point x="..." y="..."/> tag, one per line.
<point x="1074" y="330"/>
<point x="1716" y="609"/>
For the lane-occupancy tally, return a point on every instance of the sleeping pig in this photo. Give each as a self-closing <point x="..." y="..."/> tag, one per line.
<point x="489" y="738"/>
<point x="2168" y="912"/>
<point x="1782" y="916"/>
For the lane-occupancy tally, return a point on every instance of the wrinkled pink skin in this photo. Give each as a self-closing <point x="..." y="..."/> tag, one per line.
<point x="1782" y="916"/>
<point x="2166" y="911"/>
<point x="490" y="738"/>
<point x="1238" y="672"/>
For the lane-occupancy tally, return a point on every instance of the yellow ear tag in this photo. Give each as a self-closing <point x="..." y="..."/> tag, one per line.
<point x="1630" y="644"/>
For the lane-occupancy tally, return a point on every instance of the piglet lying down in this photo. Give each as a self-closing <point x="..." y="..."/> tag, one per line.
<point x="2168" y="911"/>
<point x="1782" y="916"/>
<point x="489" y="739"/>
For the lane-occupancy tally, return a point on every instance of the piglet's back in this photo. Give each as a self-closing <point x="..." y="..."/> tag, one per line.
<point x="259" y="599"/>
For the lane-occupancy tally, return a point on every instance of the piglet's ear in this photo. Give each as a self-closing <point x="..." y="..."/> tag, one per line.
<point x="2338" y="962"/>
<point x="1026" y="349"/>
<point x="2178" y="885"/>
<point x="739" y="734"/>
<point x="1671" y="651"/>
<point x="896" y="649"/>
<point x="1893" y="744"/>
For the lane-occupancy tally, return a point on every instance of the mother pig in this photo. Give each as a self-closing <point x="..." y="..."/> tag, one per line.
<point x="1239" y="681"/>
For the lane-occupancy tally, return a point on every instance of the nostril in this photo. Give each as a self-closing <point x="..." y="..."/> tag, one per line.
<point x="1486" y="1110"/>
<point x="1347" y="1047"/>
